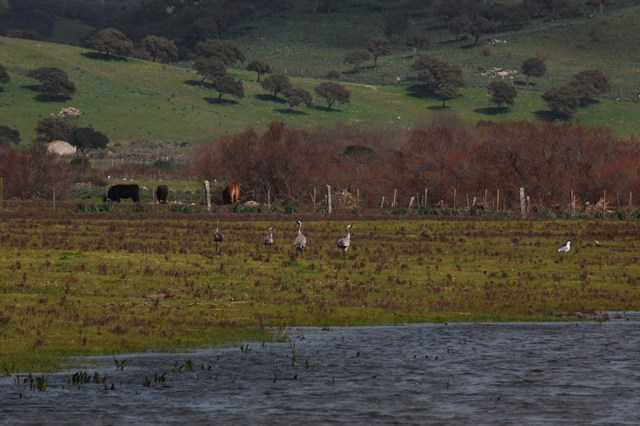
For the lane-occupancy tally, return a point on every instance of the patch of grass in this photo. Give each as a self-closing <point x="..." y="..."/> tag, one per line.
<point x="78" y="284"/>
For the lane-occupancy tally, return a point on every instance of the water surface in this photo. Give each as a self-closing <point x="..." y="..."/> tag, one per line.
<point x="504" y="373"/>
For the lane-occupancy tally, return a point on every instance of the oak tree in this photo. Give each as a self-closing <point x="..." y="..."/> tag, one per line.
<point x="9" y="135"/>
<point x="297" y="96"/>
<point x="54" y="82"/>
<point x="110" y="41"/>
<point x="332" y="93"/>
<point x="4" y="75"/>
<point x="563" y="101"/>
<point x="533" y="67"/>
<point x="357" y="57"/>
<point x="227" y="85"/>
<point x="379" y="46"/>
<point x="502" y="93"/>
<point x="160" y="48"/>
<point x="209" y="68"/>
<point x="276" y="83"/>
<point x="259" y="67"/>
<point x="416" y="42"/>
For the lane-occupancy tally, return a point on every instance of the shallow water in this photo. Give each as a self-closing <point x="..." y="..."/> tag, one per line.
<point x="505" y="373"/>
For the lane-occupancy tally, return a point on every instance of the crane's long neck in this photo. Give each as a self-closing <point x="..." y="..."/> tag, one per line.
<point x="299" y="228"/>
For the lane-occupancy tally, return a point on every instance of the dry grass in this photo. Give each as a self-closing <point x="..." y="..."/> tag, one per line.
<point x="95" y="283"/>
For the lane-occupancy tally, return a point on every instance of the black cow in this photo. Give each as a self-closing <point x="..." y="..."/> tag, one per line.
<point x="116" y="192"/>
<point x="162" y="191"/>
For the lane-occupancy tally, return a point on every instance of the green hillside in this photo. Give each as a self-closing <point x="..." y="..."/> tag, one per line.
<point x="131" y="100"/>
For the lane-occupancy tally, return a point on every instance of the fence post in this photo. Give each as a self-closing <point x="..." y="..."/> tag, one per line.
<point x="523" y="210"/>
<point x="329" y="199"/>
<point x="411" y="201"/>
<point x="395" y="194"/>
<point x="382" y="202"/>
<point x="426" y="193"/>
<point x="207" y="190"/>
<point x="269" y="199"/>
<point x="498" y="200"/>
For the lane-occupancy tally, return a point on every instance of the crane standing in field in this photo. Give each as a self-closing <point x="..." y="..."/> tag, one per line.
<point x="345" y="242"/>
<point x="218" y="237"/>
<point x="301" y="240"/>
<point x="268" y="239"/>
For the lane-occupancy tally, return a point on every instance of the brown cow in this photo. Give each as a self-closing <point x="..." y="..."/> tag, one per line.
<point x="231" y="193"/>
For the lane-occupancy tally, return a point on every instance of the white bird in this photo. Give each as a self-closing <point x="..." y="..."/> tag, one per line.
<point x="598" y="243"/>
<point x="301" y="240"/>
<point x="345" y="242"/>
<point x="565" y="248"/>
<point x="218" y="237"/>
<point x="268" y="239"/>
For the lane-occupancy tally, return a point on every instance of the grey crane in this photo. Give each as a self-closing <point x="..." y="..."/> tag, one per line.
<point x="301" y="240"/>
<point x="218" y="237"/>
<point x="268" y="239"/>
<point x="345" y="242"/>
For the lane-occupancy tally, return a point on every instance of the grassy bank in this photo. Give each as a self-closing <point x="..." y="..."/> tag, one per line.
<point x="101" y="283"/>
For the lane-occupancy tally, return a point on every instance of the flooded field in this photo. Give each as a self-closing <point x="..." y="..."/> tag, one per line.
<point x="502" y="373"/>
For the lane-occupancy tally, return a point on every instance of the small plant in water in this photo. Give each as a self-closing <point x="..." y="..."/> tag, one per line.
<point x="119" y="364"/>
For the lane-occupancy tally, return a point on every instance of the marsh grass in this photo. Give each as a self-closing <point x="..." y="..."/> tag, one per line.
<point x="117" y="282"/>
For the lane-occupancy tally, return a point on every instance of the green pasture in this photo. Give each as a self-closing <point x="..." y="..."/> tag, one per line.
<point x="134" y="101"/>
<point x="81" y="283"/>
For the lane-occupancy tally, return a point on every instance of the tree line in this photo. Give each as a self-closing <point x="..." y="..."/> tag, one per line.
<point x="552" y="161"/>
<point x="289" y="166"/>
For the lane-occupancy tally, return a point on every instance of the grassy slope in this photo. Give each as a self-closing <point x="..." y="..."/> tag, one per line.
<point x="134" y="100"/>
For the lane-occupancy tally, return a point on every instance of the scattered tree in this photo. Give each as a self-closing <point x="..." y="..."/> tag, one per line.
<point x="590" y="83"/>
<point x="332" y="93"/>
<point x="160" y="48"/>
<point x="229" y="53"/>
<point x="25" y="34"/>
<point x="439" y="77"/>
<point x="276" y="83"/>
<point x="52" y="129"/>
<point x="563" y="101"/>
<point x="379" y="46"/>
<point x="86" y="139"/>
<point x="533" y="67"/>
<point x="209" y="68"/>
<point x="357" y="57"/>
<point x="110" y="41"/>
<point x="54" y="83"/>
<point x="459" y="25"/>
<point x="297" y="96"/>
<point x="4" y="75"/>
<point x="259" y="67"/>
<point x="502" y="93"/>
<point x="416" y="42"/>
<point x="480" y="26"/>
<point x="227" y="85"/>
<point x="9" y="136"/>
